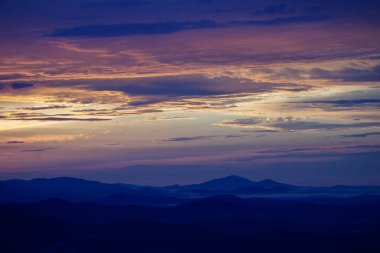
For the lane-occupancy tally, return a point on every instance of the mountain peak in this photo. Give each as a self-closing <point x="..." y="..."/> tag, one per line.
<point x="234" y="177"/>
<point x="231" y="179"/>
<point x="229" y="182"/>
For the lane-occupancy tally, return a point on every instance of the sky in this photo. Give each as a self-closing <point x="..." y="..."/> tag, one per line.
<point x="161" y="92"/>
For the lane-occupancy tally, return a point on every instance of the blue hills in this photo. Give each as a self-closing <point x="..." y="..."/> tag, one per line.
<point x="230" y="214"/>
<point x="81" y="190"/>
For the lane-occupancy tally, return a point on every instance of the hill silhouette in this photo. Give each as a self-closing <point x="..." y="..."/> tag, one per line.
<point x="213" y="224"/>
<point x="80" y="190"/>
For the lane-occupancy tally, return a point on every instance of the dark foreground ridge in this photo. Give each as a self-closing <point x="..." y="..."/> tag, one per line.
<point x="231" y="214"/>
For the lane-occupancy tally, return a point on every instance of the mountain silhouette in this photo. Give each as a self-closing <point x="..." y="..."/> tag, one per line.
<point x="81" y="190"/>
<point x="225" y="183"/>
<point x="77" y="215"/>
<point x="135" y="199"/>
<point x="269" y="183"/>
<point x="74" y="189"/>
<point x="234" y="185"/>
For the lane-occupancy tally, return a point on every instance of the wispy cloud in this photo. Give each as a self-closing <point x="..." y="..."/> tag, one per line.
<point x="201" y="137"/>
<point x="37" y="150"/>
<point x="347" y="102"/>
<point x="294" y="124"/>
<point x="62" y="119"/>
<point x="157" y="118"/>
<point x="151" y="90"/>
<point x="113" y="144"/>
<point x="14" y="142"/>
<point x="37" y="108"/>
<point x="346" y="74"/>
<point x="133" y="29"/>
<point x="43" y="138"/>
<point x="361" y="135"/>
<point x="17" y="86"/>
<point x="234" y="135"/>
<point x="193" y="138"/>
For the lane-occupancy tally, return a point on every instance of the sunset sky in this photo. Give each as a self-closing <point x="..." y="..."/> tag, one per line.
<point x="172" y="91"/>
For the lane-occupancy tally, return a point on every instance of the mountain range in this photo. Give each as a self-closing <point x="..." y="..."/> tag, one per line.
<point x="80" y="190"/>
<point x="230" y="214"/>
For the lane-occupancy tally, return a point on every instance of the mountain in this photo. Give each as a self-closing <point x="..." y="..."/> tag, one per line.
<point x="234" y="185"/>
<point x="68" y="188"/>
<point x="270" y="184"/>
<point x="143" y="200"/>
<point x="220" y="184"/>
<point x="80" y="190"/>
<point x="266" y="186"/>
<point x="220" y="224"/>
<point x="225" y="183"/>
<point x="77" y="215"/>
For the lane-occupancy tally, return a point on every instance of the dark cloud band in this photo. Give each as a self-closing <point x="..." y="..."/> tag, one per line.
<point x="133" y="29"/>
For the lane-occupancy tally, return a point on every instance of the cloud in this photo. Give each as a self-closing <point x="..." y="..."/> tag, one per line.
<point x="37" y="150"/>
<point x="11" y="76"/>
<point x="111" y="30"/>
<point x="305" y="152"/>
<point x="14" y="142"/>
<point x="348" y="102"/>
<point x="156" y="118"/>
<point x="152" y="90"/>
<point x="283" y="21"/>
<point x="140" y="93"/>
<point x="293" y="124"/>
<point x="61" y="119"/>
<point x="133" y="29"/>
<point x="193" y="138"/>
<point x="113" y="144"/>
<point x="343" y="104"/>
<point x="37" y="108"/>
<point x="362" y="135"/>
<point x="273" y="9"/>
<point x="261" y="131"/>
<point x="184" y="85"/>
<point x="17" y="86"/>
<point x="362" y="147"/>
<point x="107" y="115"/>
<point x="302" y="157"/>
<point x="244" y="122"/>
<point x="201" y="137"/>
<point x="234" y="136"/>
<point x="348" y="74"/>
<point x="371" y="74"/>
<point x="40" y="138"/>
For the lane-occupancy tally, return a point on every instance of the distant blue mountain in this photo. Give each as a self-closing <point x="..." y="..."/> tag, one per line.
<point x="234" y="184"/>
<point x="80" y="190"/>
<point x="225" y="183"/>
<point x="269" y="183"/>
<point x="142" y="200"/>
<point x="68" y="188"/>
<point x="88" y="216"/>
